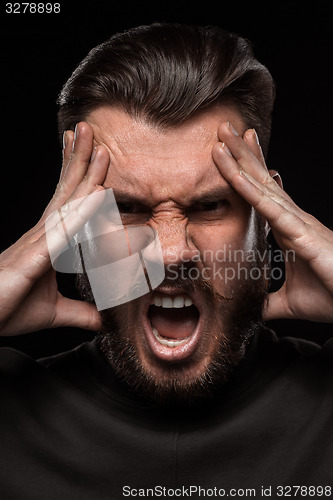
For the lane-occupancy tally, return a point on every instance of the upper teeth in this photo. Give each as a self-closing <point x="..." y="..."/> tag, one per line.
<point x="177" y="301"/>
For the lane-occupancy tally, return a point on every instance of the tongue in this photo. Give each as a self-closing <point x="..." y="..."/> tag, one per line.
<point x="174" y="323"/>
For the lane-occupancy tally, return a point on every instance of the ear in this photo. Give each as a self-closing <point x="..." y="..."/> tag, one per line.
<point x="278" y="179"/>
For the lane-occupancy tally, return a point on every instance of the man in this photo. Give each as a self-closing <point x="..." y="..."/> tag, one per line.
<point x="183" y="392"/>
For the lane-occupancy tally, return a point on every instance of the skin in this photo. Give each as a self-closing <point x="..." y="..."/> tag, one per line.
<point x="195" y="153"/>
<point x="167" y="178"/>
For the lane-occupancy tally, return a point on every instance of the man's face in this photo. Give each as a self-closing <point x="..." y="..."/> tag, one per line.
<point x="189" y="332"/>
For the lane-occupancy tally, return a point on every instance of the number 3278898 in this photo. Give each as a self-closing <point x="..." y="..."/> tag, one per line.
<point x="32" y="8"/>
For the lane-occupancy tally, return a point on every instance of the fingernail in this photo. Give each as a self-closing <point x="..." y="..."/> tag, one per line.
<point x="255" y="135"/>
<point x="233" y="130"/>
<point x="226" y="149"/>
<point x="64" y="140"/>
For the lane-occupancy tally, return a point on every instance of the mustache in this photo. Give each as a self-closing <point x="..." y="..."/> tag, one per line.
<point x="183" y="282"/>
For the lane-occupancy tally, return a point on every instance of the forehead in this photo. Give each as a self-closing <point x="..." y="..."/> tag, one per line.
<point x="154" y="162"/>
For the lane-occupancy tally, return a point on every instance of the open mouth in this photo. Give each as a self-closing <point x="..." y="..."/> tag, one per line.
<point x="173" y="324"/>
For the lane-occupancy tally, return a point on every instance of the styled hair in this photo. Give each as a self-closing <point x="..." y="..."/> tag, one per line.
<point x="167" y="73"/>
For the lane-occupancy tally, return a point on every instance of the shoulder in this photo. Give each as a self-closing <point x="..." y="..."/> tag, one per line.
<point x="19" y="370"/>
<point x="289" y="358"/>
<point x="294" y="346"/>
<point x="15" y="364"/>
<point x="27" y="384"/>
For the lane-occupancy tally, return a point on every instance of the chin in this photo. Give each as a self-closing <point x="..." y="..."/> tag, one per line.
<point x="180" y="344"/>
<point x="177" y="348"/>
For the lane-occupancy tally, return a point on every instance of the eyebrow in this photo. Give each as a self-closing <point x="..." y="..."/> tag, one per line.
<point x="126" y="196"/>
<point x="212" y="194"/>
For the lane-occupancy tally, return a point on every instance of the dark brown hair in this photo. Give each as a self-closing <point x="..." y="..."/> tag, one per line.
<point x="166" y="73"/>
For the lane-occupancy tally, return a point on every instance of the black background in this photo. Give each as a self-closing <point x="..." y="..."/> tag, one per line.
<point x="39" y="52"/>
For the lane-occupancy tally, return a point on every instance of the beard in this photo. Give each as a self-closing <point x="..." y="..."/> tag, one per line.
<point x="233" y="321"/>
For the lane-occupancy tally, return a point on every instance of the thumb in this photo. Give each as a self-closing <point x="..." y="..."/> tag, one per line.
<point x="77" y="314"/>
<point x="276" y="306"/>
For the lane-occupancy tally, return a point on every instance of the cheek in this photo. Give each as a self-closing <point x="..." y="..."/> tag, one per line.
<point x="222" y="249"/>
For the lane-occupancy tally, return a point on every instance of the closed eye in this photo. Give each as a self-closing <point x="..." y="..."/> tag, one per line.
<point x="133" y="212"/>
<point x="126" y="208"/>
<point x="208" y="210"/>
<point x="209" y="206"/>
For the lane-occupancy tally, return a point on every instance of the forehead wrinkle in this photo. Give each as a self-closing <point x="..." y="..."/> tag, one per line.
<point x="109" y="142"/>
<point x="125" y="142"/>
<point x="136" y="174"/>
<point x="129" y="142"/>
<point x="167" y="164"/>
<point x="118" y="144"/>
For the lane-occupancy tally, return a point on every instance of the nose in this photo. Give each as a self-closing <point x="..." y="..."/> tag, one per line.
<point x="176" y="245"/>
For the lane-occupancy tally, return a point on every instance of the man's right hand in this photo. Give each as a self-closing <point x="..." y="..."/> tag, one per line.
<point x="29" y="295"/>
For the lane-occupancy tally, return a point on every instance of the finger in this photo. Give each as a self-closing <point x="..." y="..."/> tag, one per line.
<point x="277" y="306"/>
<point x="272" y="207"/>
<point x="249" y="156"/>
<point x="267" y="202"/>
<point x="67" y="141"/>
<point x="274" y="191"/>
<point x="80" y="156"/>
<point x="251" y="161"/>
<point x="78" y="160"/>
<point x="65" y="222"/>
<point x="92" y="182"/>
<point x="290" y="229"/>
<point x="74" y="185"/>
<point x="266" y="181"/>
<point x="96" y="172"/>
<point x="251" y="138"/>
<point x="229" y="167"/>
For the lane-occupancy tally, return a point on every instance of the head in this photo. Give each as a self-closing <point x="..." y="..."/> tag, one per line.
<point x="154" y="97"/>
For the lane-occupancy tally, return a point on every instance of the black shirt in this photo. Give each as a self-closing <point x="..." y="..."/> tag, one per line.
<point x="70" y="429"/>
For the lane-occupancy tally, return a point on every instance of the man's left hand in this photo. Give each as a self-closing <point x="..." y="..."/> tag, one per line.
<point x="307" y="292"/>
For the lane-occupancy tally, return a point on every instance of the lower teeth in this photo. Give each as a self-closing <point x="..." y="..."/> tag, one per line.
<point x="169" y="343"/>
